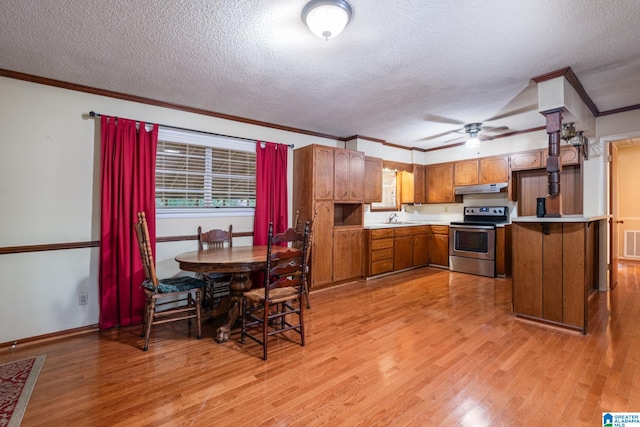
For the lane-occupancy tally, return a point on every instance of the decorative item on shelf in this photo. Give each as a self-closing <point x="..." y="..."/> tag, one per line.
<point x="327" y="18"/>
<point x="569" y="134"/>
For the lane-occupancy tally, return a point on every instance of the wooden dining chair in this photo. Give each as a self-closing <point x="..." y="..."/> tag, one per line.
<point x="278" y="307"/>
<point x="299" y="226"/>
<point x="168" y="300"/>
<point x="217" y="283"/>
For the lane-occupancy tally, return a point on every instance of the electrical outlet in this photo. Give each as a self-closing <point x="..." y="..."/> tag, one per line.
<point x="83" y="298"/>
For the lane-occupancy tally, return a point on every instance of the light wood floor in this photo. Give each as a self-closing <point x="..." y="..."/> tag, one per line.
<point x="423" y="348"/>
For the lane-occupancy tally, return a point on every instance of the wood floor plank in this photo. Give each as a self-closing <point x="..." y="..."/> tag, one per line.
<point x="425" y="347"/>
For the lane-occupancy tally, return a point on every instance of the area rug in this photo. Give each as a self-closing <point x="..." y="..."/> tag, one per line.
<point x="17" y="380"/>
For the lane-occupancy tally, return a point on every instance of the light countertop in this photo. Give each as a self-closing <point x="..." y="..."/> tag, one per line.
<point x="565" y="218"/>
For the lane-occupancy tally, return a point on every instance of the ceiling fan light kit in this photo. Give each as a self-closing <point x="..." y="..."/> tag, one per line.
<point x="327" y="18"/>
<point x="473" y="129"/>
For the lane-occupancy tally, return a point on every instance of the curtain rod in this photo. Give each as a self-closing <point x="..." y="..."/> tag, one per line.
<point x="94" y="114"/>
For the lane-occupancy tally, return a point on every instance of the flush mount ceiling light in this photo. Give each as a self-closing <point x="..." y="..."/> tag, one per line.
<point x="327" y="18"/>
<point x="472" y="129"/>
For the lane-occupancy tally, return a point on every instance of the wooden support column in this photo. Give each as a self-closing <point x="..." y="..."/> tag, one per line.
<point x="554" y="163"/>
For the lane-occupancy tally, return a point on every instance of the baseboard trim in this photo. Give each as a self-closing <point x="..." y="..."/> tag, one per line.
<point x="50" y="337"/>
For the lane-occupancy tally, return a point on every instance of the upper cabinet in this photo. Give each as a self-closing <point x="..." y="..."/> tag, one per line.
<point x="373" y="179"/>
<point x="537" y="159"/>
<point x="526" y="160"/>
<point x="419" y="182"/>
<point x="349" y="169"/>
<point x="466" y="172"/>
<point x="568" y="154"/>
<point x="487" y="170"/>
<point x="323" y="172"/>
<point x="440" y="184"/>
<point x="494" y="169"/>
<point x="412" y="185"/>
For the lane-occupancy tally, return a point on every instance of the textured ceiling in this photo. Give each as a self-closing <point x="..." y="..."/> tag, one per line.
<point x="404" y="71"/>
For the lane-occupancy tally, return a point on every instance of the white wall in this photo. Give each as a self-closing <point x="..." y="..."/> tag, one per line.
<point x="49" y="183"/>
<point x="49" y="175"/>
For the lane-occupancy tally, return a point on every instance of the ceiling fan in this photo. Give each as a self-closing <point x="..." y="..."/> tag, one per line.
<point x="472" y="133"/>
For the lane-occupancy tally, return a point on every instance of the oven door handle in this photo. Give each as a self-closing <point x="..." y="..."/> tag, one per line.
<point x="473" y="227"/>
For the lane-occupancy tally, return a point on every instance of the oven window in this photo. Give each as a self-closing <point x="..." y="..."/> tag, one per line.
<point x="472" y="241"/>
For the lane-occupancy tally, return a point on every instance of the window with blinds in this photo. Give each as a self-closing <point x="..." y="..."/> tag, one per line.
<point x="204" y="172"/>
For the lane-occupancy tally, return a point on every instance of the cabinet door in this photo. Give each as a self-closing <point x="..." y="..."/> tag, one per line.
<point x="407" y="186"/>
<point x="420" y="250"/>
<point x="418" y="184"/>
<point x="466" y="172"/>
<point x="323" y="168"/>
<point x="356" y="176"/>
<point x="439" y="249"/>
<point x="373" y="178"/>
<point x="402" y="252"/>
<point x="347" y="249"/>
<point x="525" y="161"/>
<point x="568" y="154"/>
<point x="527" y="274"/>
<point x="439" y="183"/>
<point x="494" y="169"/>
<point x="341" y="175"/>
<point x="322" y="245"/>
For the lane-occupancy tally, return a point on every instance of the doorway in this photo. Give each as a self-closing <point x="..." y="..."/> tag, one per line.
<point x="624" y="204"/>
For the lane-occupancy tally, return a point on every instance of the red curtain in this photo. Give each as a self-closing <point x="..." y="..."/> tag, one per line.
<point x="127" y="178"/>
<point x="271" y="190"/>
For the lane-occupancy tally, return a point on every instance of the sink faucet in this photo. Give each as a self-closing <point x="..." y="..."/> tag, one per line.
<point x="393" y="217"/>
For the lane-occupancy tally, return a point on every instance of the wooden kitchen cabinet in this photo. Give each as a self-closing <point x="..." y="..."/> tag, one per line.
<point x="317" y="171"/>
<point x="439" y="245"/>
<point x="403" y="248"/>
<point x="487" y="170"/>
<point x="349" y="175"/>
<point x="568" y="153"/>
<point x="323" y="171"/>
<point x="321" y="255"/>
<point x="421" y="246"/>
<point x="412" y="185"/>
<point x="440" y="184"/>
<point x="372" y="179"/>
<point x="419" y="182"/>
<point x="466" y="172"/>
<point x="379" y="251"/>
<point x="493" y="170"/>
<point x="347" y="249"/>
<point x="555" y="267"/>
<point x="503" y="251"/>
<point x="526" y="160"/>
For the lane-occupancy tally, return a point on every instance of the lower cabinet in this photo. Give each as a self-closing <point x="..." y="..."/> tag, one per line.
<point x="396" y="248"/>
<point x="379" y="251"/>
<point x="347" y="251"/>
<point x="439" y="245"/>
<point x="321" y="256"/>
<point x="555" y="267"/>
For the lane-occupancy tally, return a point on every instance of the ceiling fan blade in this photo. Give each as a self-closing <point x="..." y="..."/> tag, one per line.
<point x="483" y="137"/>
<point x="495" y="129"/>
<point x="440" y="135"/>
<point x="440" y="119"/>
<point x="515" y="112"/>
<point x="454" y="139"/>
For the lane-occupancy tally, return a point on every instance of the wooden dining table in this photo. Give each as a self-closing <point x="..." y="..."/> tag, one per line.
<point x="238" y="260"/>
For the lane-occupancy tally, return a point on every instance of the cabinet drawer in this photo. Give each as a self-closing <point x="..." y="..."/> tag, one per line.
<point x="440" y="229"/>
<point x="381" y="233"/>
<point x="382" y="254"/>
<point x="383" y="266"/>
<point x="404" y="231"/>
<point x="381" y="244"/>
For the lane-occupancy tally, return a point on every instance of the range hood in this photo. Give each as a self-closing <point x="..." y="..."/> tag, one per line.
<point x="481" y="189"/>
